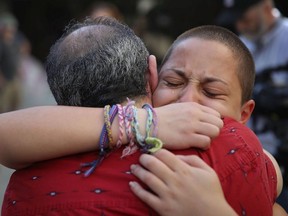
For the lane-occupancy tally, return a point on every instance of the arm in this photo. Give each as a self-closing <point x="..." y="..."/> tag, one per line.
<point x="278" y="172"/>
<point x="48" y="132"/>
<point x="182" y="185"/>
<point x="42" y="133"/>
<point x="277" y="209"/>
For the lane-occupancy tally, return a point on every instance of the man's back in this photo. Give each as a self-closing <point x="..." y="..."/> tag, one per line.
<point x="58" y="186"/>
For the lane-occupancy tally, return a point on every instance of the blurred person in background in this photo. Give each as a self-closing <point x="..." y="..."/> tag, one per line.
<point x="152" y="26"/>
<point x="103" y="8"/>
<point x="9" y="86"/>
<point x="34" y="89"/>
<point x="149" y="24"/>
<point x="9" y="59"/>
<point x="264" y="31"/>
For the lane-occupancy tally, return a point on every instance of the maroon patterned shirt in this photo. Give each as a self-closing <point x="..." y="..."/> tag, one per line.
<point x="58" y="187"/>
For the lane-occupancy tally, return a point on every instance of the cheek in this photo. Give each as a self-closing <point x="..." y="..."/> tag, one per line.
<point x="228" y="111"/>
<point x="162" y="97"/>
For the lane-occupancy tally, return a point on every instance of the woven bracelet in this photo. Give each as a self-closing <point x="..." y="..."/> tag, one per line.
<point x="103" y="143"/>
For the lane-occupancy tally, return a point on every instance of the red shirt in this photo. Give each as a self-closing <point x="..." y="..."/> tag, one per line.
<point x="58" y="187"/>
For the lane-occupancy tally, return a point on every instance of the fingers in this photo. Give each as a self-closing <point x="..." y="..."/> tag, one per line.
<point x="191" y="163"/>
<point x="211" y="119"/>
<point x="146" y="196"/>
<point x="209" y="122"/>
<point x="209" y="129"/>
<point x="195" y="127"/>
<point x="204" y="120"/>
<point x="152" y="180"/>
<point x="209" y="110"/>
<point x="168" y="158"/>
<point x="163" y="163"/>
<point x="195" y="161"/>
<point x="199" y="141"/>
<point x="208" y="115"/>
<point x="158" y="174"/>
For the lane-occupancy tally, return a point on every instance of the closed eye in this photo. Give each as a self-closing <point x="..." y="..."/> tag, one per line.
<point x="173" y="84"/>
<point x="210" y="94"/>
<point x="214" y="94"/>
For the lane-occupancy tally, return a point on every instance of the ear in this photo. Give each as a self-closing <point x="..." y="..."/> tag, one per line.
<point x="152" y="73"/>
<point x="246" y="111"/>
<point x="267" y="7"/>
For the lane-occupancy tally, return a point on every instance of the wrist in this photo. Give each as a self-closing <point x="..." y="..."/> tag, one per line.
<point x="115" y="127"/>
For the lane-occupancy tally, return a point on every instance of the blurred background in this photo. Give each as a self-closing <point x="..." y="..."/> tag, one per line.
<point x="32" y="26"/>
<point x="43" y="21"/>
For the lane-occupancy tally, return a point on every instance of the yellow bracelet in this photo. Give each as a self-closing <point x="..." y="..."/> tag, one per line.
<point x="108" y="124"/>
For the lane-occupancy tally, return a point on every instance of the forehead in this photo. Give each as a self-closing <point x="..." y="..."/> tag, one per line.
<point x="197" y="48"/>
<point x="196" y="56"/>
<point x="202" y="54"/>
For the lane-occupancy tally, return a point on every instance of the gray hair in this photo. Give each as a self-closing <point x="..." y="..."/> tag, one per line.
<point x="97" y="62"/>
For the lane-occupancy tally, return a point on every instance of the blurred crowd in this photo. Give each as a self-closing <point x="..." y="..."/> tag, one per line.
<point x="22" y="76"/>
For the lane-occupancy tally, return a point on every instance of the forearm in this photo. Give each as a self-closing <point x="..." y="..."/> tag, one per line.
<point x="41" y="133"/>
<point x="47" y="132"/>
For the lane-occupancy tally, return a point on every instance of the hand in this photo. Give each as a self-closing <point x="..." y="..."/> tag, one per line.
<point x="183" y="185"/>
<point x="186" y="125"/>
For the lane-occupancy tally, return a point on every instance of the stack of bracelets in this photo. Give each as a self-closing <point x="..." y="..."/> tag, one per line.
<point x="128" y="123"/>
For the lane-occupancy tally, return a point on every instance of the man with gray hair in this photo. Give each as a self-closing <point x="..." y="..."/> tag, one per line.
<point x="95" y="63"/>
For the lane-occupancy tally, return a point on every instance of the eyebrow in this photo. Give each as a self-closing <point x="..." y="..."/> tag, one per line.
<point x="206" y="79"/>
<point x="178" y="72"/>
<point x="214" y="79"/>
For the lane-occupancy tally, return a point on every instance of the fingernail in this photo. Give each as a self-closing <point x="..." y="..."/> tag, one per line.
<point x="132" y="184"/>
<point x="133" y="166"/>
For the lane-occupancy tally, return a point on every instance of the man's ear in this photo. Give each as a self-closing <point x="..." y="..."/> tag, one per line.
<point x="152" y="73"/>
<point x="246" y="111"/>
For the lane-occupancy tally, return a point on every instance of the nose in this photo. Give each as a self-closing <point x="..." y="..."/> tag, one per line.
<point x="189" y="94"/>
